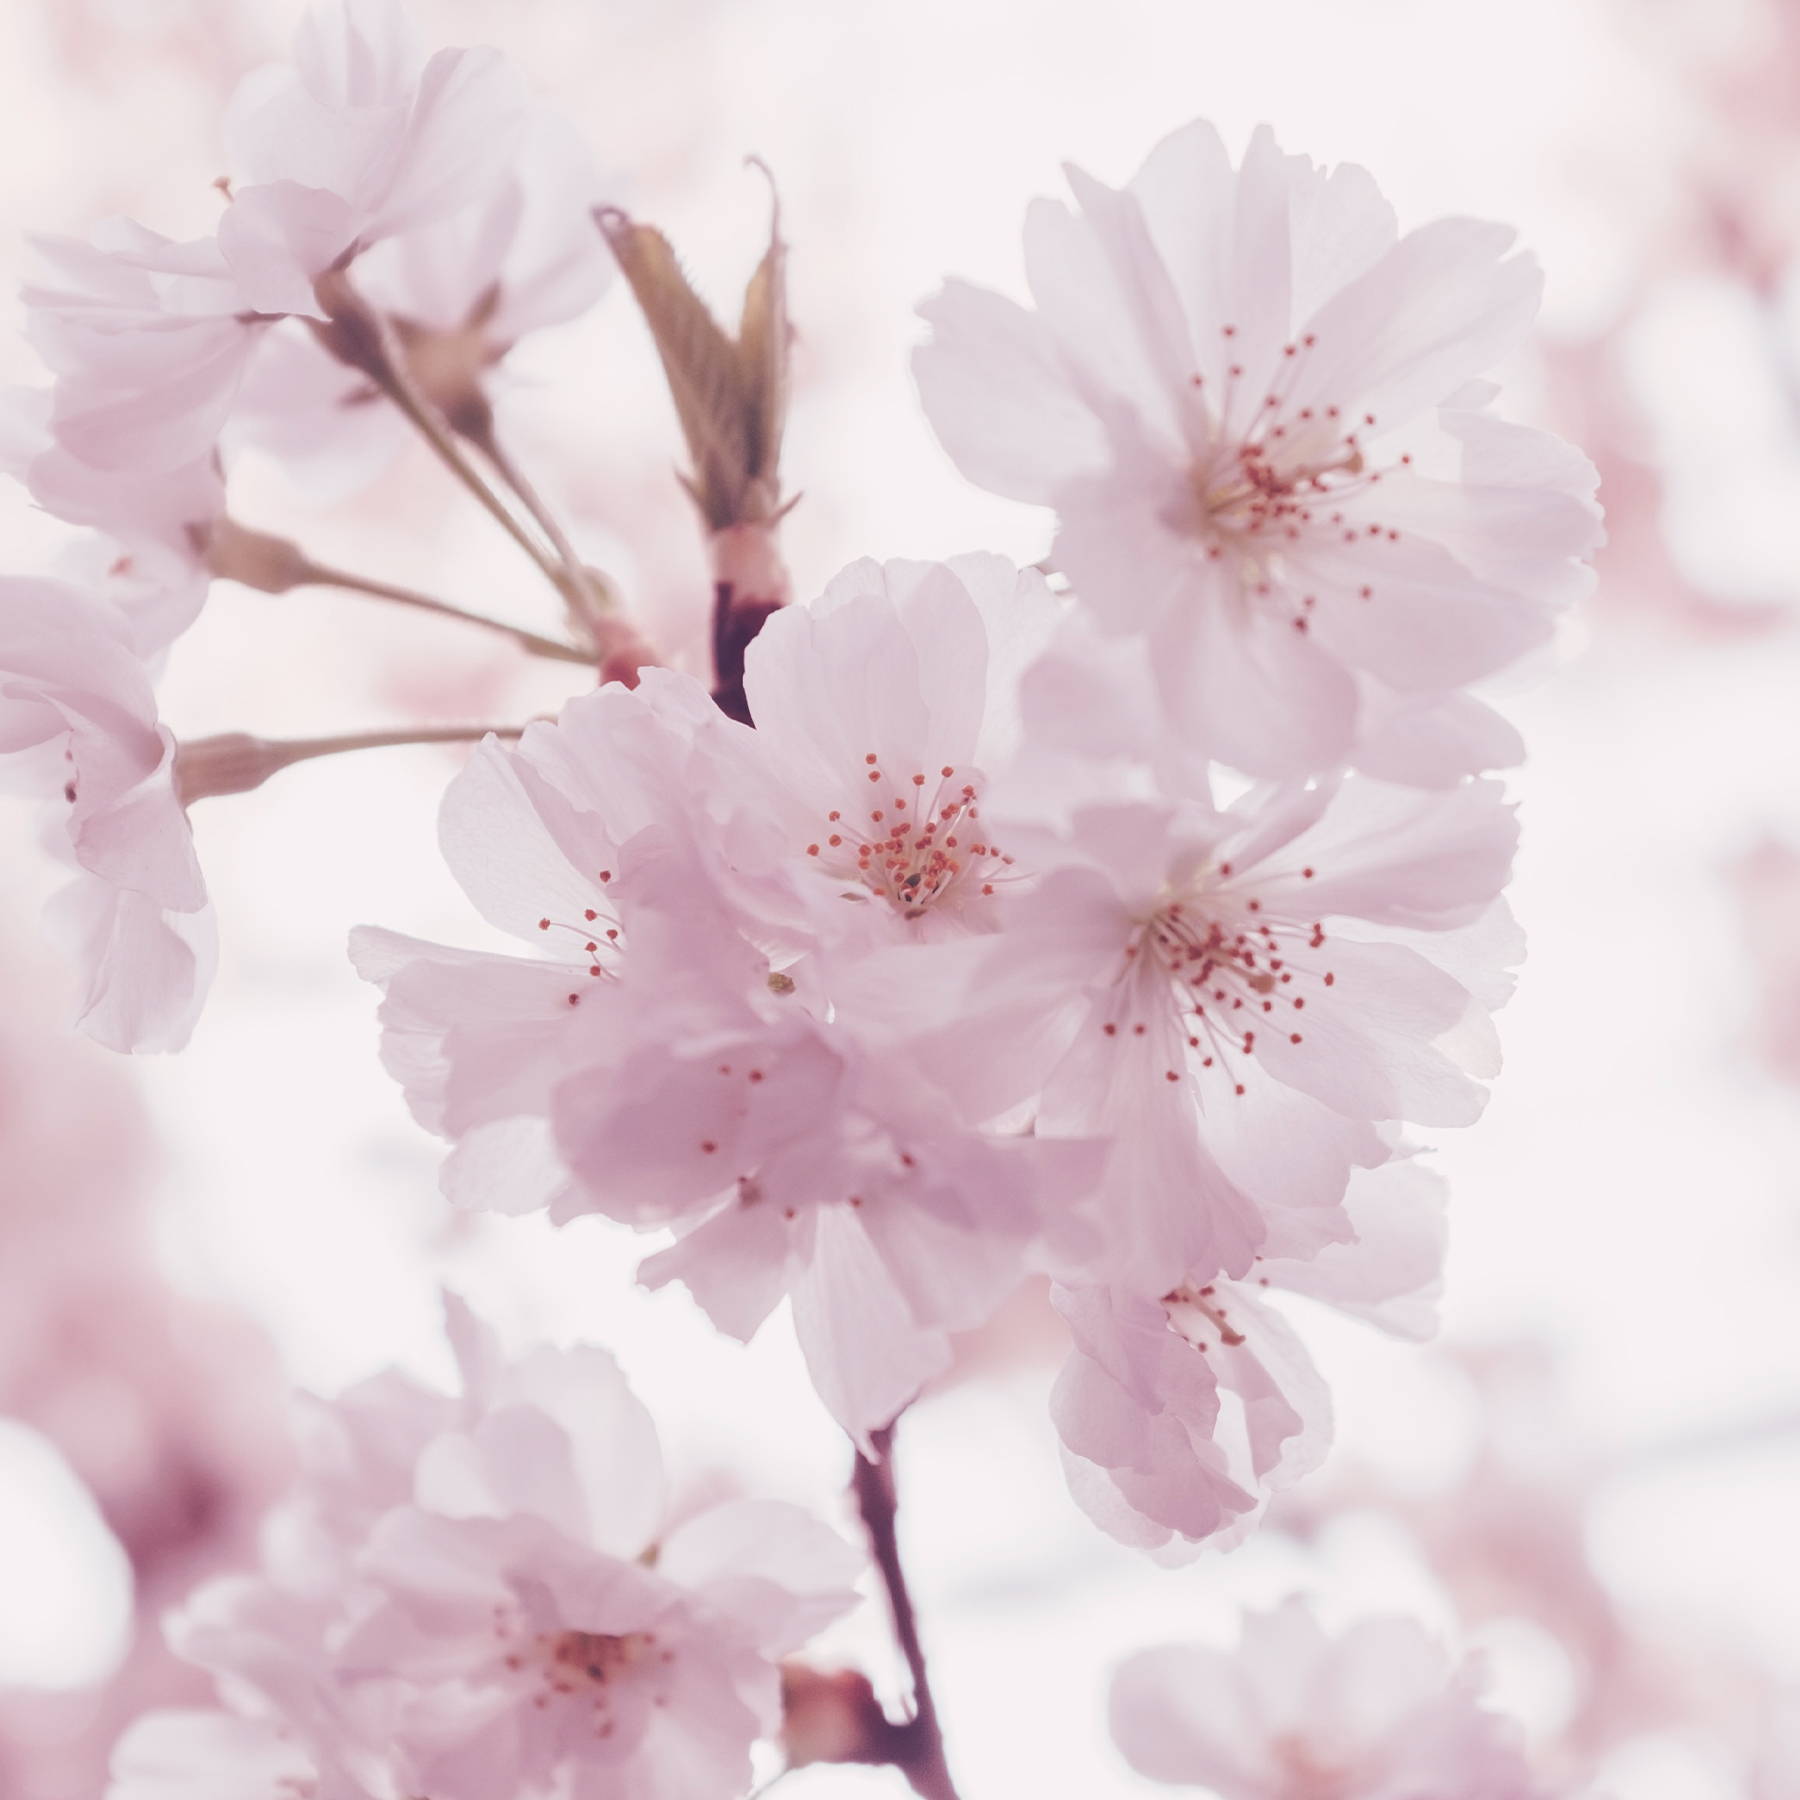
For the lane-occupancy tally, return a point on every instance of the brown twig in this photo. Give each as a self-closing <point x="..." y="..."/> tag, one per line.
<point x="917" y="1744"/>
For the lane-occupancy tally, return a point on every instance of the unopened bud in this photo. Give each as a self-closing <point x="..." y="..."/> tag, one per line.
<point x="730" y="390"/>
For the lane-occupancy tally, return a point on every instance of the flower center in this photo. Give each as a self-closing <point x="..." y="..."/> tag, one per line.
<point x="1229" y="971"/>
<point x="597" y="932"/>
<point x="916" y="851"/>
<point x="588" y="1669"/>
<point x="1199" y="1316"/>
<point x="1275" y="472"/>
<point x="598" y="1657"/>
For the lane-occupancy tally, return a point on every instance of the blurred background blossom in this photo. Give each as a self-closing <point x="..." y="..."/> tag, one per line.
<point x="1592" y="1477"/>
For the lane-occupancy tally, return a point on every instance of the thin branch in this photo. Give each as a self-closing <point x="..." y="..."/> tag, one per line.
<point x="592" y="601"/>
<point x="235" y="762"/>
<point x="919" y="1744"/>
<point x="364" y="336"/>
<point x="316" y="575"/>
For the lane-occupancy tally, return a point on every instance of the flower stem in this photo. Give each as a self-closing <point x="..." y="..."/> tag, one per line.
<point x="363" y="336"/>
<point x="235" y="762"/>
<point x="317" y="576"/>
<point x="581" y="589"/>
<point x="918" y="1743"/>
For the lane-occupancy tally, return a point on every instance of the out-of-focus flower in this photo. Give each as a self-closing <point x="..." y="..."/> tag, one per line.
<point x="361" y="137"/>
<point x="167" y="1410"/>
<point x="1767" y="879"/>
<point x="1252" y="406"/>
<point x="460" y="294"/>
<point x="360" y="152"/>
<point x="490" y="1589"/>
<point x="1376" y="1714"/>
<point x="77" y="714"/>
<point x="1181" y="1415"/>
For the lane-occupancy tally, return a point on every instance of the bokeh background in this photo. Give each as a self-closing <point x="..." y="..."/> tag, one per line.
<point x="1593" y="1478"/>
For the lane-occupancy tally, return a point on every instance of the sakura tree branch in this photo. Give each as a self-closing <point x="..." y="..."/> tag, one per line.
<point x="916" y="1746"/>
<point x="235" y="762"/>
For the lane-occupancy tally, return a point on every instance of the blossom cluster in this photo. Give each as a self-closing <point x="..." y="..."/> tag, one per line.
<point x="490" y="1591"/>
<point x="394" y="223"/>
<point x="1047" y="928"/>
<point x="1112" y="921"/>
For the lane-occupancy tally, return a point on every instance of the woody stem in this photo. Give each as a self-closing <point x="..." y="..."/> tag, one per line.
<point x="918" y="1744"/>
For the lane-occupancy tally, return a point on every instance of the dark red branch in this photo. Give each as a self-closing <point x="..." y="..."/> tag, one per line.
<point x="917" y="1744"/>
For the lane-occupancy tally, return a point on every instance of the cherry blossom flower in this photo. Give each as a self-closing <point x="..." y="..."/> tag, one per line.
<point x="827" y="1161"/>
<point x="1181" y="1415"/>
<point x="76" y="711"/>
<point x="1250" y="403"/>
<point x="197" y="1755"/>
<point x="362" y="136"/>
<point x="546" y="838"/>
<point x="718" y="899"/>
<point x="461" y="293"/>
<point x="1379" y="1713"/>
<point x="150" y="341"/>
<point x="489" y="1589"/>
<point x="882" y="711"/>
<point x="1241" y="1000"/>
<point x="145" y="341"/>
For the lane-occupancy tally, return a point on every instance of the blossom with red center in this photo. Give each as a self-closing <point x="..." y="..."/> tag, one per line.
<point x="761" y="1059"/>
<point x="1238" y="1000"/>
<point x="548" y="837"/>
<point x="1251" y="404"/>
<point x="884" y="711"/>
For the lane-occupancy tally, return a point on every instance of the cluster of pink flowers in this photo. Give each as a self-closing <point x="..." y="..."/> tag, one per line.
<point x="967" y="925"/>
<point x="1115" y="932"/>
<point x="390" y="217"/>
<point x="489" y="1592"/>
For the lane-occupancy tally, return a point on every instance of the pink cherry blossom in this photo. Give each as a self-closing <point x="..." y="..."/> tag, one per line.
<point x="197" y="1755"/>
<point x="151" y="341"/>
<point x="76" y="711"/>
<point x="1379" y="1713"/>
<point x="145" y="340"/>
<point x="1240" y="1000"/>
<point x="361" y="137"/>
<point x="882" y="709"/>
<point x="1250" y="403"/>
<point x="737" y="1033"/>
<point x="547" y="838"/>
<point x="1181" y="1415"/>
<point x="461" y="292"/>
<point x="488" y="1589"/>
<point x="827" y="1161"/>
